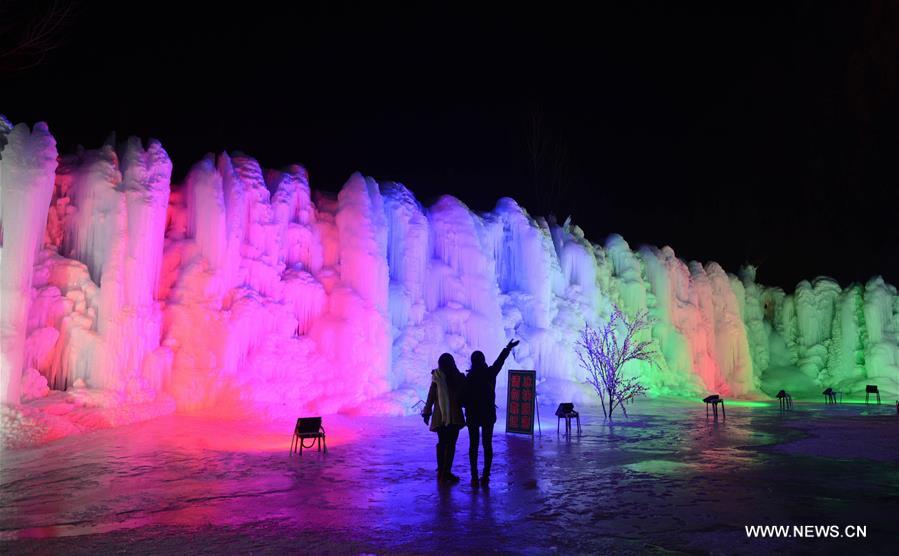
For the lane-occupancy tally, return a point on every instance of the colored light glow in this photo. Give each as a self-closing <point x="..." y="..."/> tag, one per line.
<point x="274" y="301"/>
<point x="748" y="403"/>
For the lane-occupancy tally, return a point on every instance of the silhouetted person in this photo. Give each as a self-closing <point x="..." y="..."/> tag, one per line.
<point x="444" y="411"/>
<point x="480" y="408"/>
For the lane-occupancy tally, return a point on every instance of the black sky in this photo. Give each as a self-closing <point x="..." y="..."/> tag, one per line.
<point x="756" y="133"/>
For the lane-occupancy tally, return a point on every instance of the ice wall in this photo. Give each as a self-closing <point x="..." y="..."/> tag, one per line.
<point x="242" y="289"/>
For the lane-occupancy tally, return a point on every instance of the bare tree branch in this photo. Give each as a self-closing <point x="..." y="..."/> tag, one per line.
<point x="29" y="31"/>
<point x="548" y="161"/>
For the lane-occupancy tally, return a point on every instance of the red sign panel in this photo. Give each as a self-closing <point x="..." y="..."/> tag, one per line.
<point x="520" y="403"/>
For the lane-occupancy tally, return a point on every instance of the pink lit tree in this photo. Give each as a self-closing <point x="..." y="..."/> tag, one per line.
<point x="604" y="351"/>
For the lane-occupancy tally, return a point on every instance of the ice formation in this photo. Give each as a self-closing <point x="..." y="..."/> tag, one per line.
<point x="27" y="168"/>
<point x="244" y="290"/>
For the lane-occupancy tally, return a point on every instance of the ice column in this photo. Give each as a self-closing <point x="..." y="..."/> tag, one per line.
<point x="362" y="302"/>
<point x="882" y="353"/>
<point x="134" y="360"/>
<point x="146" y="175"/>
<point x="754" y="320"/>
<point x="528" y="270"/>
<point x="206" y="215"/>
<point x="235" y="197"/>
<point x="732" y="347"/>
<point x="27" y="171"/>
<point x="407" y="260"/>
<point x="674" y="323"/>
<point x="846" y="360"/>
<point x="815" y="306"/>
<point x="461" y="289"/>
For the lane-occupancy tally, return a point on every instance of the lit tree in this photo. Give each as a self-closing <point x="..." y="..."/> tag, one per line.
<point x="603" y="356"/>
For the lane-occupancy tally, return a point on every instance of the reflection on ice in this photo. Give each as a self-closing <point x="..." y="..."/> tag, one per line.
<point x="667" y="477"/>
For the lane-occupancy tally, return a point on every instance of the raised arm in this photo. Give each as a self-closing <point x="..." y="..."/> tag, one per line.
<point x="498" y="364"/>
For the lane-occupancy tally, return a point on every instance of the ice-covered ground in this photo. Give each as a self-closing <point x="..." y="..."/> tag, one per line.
<point x="244" y="291"/>
<point x="665" y="480"/>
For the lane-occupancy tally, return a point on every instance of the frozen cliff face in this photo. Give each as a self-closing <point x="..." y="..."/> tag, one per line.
<point x="243" y="289"/>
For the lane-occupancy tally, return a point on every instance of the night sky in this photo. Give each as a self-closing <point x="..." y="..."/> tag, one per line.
<point x="766" y="134"/>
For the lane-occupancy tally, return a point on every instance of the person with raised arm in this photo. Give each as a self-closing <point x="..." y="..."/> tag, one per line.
<point x="480" y="409"/>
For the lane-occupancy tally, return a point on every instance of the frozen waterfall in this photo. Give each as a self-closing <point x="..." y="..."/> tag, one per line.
<point x="245" y="290"/>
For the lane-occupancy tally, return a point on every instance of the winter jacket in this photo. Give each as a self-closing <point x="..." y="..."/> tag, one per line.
<point x="480" y="391"/>
<point x="455" y="383"/>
